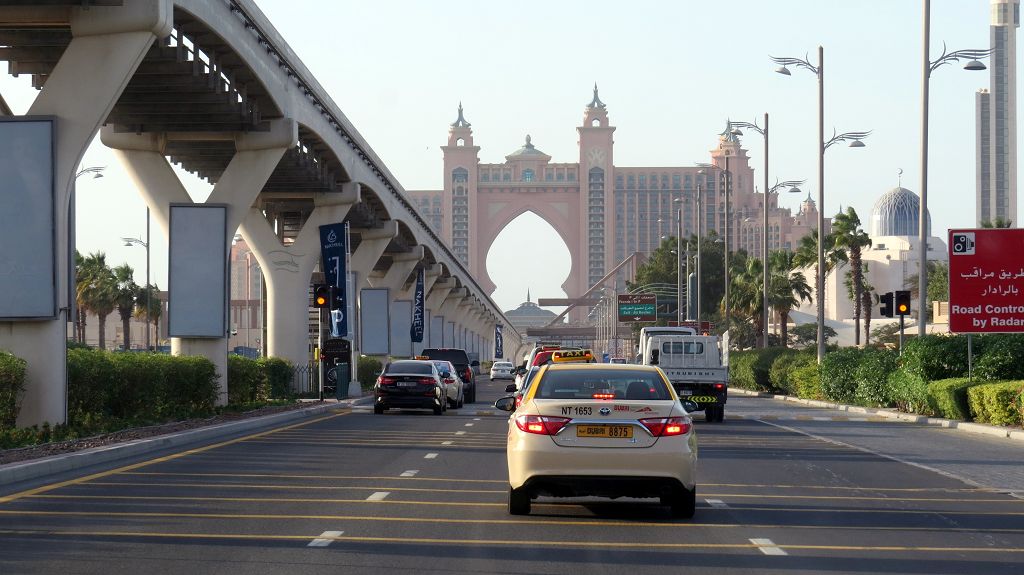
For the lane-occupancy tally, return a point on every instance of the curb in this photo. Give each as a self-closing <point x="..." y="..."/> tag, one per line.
<point x="892" y="414"/>
<point x="32" y="469"/>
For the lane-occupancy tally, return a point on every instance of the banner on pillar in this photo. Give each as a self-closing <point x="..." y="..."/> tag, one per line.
<point x="334" y="251"/>
<point x="416" y="331"/>
<point x="499" y="342"/>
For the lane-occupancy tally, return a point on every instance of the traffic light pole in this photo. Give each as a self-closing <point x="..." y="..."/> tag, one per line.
<point x="901" y="333"/>
<point x="320" y="349"/>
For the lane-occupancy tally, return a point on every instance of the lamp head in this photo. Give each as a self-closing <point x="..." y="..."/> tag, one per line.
<point x="795" y="190"/>
<point x="856" y="144"/>
<point x="783" y="70"/>
<point x="974" y="65"/>
<point x="737" y="132"/>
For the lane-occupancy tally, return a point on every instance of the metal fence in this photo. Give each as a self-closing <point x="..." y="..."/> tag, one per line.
<point x="306" y="378"/>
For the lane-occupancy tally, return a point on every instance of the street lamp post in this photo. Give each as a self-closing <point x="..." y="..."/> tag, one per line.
<point x="700" y="238"/>
<point x="149" y="291"/>
<point x="855" y="142"/>
<point x="96" y="172"/>
<point x="922" y="225"/>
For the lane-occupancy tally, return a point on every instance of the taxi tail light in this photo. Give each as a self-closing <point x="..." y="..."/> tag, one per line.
<point x="519" y="401"/>
<point x="604" y="396"/>
<point x="666" y="426"/>
<point x="541" y="424"/>
<point x="384" y="380"/>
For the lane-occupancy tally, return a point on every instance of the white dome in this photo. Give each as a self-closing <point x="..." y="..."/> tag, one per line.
<point x="897" y="213"/>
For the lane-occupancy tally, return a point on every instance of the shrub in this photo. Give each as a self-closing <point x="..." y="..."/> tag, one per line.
<point x="781" y="371"/>
<point x="948" y="397"/>
<point x="872" y="375"/>
<point x="12" y="384"/>
<point x="806" y="379"/>
<point x="838" y="374"/>
<point x="1001" y="358"/>
<point x="90" y="372"/>
<point x="279" y="374"/>
<point x="750" y="369"/>
<point x="367" y="371"/>
<point x="246" y="382"/>
<point x="925" y="359"/>
<point x="996" y="403"/>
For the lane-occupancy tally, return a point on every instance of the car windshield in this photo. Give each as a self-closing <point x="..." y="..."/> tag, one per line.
<point x="585" y="384"/>
<point x="443" y="366"/>
<point x="502" y="364"/>
<point x="417" y="367"/>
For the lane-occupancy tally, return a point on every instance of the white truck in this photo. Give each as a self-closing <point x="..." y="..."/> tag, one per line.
<point x="693" y="363"/>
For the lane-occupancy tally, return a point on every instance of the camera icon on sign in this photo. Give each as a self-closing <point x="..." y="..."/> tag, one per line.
<point x="963" y="244"/>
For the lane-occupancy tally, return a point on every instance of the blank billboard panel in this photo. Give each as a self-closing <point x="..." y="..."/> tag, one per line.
<point x="28" y="255"/>
<point x="198" y="275"/>
<point x="374" y="322"/>
<point x="401" y="326"/>
<point x="436" y="331"/>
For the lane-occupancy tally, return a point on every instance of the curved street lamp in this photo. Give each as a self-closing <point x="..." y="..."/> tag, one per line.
<point x="145" y="244"/>
<point x="974" y="63"/>
<point x="855" y="139"/>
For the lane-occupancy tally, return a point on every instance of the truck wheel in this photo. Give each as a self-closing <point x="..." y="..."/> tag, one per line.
<point x="709" y="413"/>
<point x="720" y="413"/>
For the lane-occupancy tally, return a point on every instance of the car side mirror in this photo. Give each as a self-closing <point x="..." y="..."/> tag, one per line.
<point x="521" y="371"/>
<point x="474" y="363"/>
<point x="446" y="374"/>
<point x="507" y="403"/>
<point x="510" y="388"/>
<point x="654" y="356"/>
<point x="689" y="406"/>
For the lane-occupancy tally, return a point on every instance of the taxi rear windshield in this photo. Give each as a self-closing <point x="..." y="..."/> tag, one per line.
<point x="573" y="384"/>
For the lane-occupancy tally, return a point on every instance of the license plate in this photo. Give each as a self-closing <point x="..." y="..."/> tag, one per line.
<point x="685" y="392"/>
<point x="407" y="384"/>
<point x="612" y="431"/>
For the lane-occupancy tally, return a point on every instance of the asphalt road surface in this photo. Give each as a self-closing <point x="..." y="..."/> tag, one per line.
<point x="782" y="489"/>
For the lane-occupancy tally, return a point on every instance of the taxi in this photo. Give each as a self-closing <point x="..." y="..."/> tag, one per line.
<point x="601" y="430"/>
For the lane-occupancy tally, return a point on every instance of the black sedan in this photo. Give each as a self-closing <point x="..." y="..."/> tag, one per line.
<point x="409" y="384"/>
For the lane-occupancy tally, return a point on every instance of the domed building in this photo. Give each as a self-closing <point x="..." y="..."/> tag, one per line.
<point x="897" y="213"/>
<point x="529" y="314"/>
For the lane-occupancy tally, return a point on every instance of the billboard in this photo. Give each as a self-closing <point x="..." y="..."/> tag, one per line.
<point x="638" y="307"/>
<point x="28" y="249"/>
<point x="197" y="271"/>
<point x="986" y="280"/>
<point x="374" y="321"/>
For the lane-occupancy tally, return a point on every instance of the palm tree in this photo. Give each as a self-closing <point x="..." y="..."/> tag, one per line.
<point x="745" y="291"/>
<point x="997" y="223"/>
<point x="867" y="300"/>
<point x="80" y="307"/>
<point x="787" y="287"/>
<point x="97" y="291"/>
<point x="151" y="295"/>
<point x="127" y="291"/>
<point x="852" y="239"/>
<point x="806" y="255"/>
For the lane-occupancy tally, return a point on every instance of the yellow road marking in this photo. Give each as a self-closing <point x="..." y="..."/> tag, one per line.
<point x="330" y="477"/>
<point x="273" y="487"/>
<point x="377" y="443"/>
<point x="510" y="543"/>
<point x="173" y="456"/>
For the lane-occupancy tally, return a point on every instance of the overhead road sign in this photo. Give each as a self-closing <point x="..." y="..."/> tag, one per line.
<point x="986" y="280"/>
<point x="638" y="307"/>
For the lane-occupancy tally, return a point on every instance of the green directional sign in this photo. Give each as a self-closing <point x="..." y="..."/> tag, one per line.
<point x="638" y="307"/>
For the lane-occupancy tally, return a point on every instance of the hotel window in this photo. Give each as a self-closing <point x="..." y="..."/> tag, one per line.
<point x="642" y="181"/>
<point x="506" y="176"/>
<point x="527" y="175"/>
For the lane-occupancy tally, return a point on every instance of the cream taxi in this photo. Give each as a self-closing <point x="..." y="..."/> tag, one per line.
<point x="601" y="430"/>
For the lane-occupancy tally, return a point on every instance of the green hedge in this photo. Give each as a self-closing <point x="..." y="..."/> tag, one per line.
<point x="925" y="359"/>
<point x="750" y="369"/>
<point x="279" y="374"/>
<point x="1001" y="358"/>
<point x="948" y="397"/>
<point x="839" y="374"/>
<point x="247" y="383"/>
<point x="807" y="380"/>
<point x="872" y="377"/>
<point x="780" y="375"/>
<point x="996" y="403"/>
<point x="12" y="384"/>
<point x="367" y="371"/>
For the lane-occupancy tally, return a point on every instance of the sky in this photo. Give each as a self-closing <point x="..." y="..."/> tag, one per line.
<point x="670" y="71"/>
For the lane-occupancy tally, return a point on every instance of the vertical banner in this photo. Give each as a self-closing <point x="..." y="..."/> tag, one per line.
<point x="416" y="331"/>
<point x="334" y="251"/>
<point x="499" y="342"/>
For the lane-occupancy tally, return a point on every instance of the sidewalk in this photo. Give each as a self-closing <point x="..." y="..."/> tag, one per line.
<point x="876" y="414"/>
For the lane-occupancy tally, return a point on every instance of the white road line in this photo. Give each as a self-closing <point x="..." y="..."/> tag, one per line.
<point x="325" y="539"/>
<point x="378" y="496"/>
<point x="410" y="473"/>
<point x="430" y="456"/>
<point x="469" y="425"/>
<point x="460" y="433"/>
<point x="447" y="442"/>
<point x="767" y="547"/>
<point x="717" y="503"/>
<point x="476" y="419"/>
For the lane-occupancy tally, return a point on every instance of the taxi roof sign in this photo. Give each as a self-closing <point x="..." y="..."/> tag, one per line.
<point x="421" y="357"/>
<point x="571" y="355"/>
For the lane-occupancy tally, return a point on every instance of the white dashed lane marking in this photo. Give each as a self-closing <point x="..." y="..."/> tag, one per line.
<point x="410" y="473"/>
<point x="469" y="425"/>
<point x="325" y="539"/>
<point x="460" y="433"/>
<point x="717" y="503"/>
<point x="430" y="456"/>
<point x="378" y="496"/>
<point x="767" y="547"/>
<point x="447" y="442"/>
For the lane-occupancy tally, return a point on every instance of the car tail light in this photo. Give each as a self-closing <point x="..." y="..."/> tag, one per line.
<point x="541" y="424"/>
<point x="666" y="426"/>
<point x="604" y="396"/>
<point x="426" y="380"/>
<point x="719" y="386"/>
<point x="519" y="401"/>
<point x="384" y="380"/>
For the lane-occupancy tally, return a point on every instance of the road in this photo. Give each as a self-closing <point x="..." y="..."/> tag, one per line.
<point x="782" y="489"/>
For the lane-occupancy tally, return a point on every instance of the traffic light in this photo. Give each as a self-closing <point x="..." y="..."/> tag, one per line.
<point x="886" y="304"/>
<point x="322" y="295"/>
<point x="902" y="302"/>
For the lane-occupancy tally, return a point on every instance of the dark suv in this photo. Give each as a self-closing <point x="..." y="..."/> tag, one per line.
<point x="462" y="364"/>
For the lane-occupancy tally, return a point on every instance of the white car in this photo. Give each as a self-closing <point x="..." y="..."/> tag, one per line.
<point x="455" y="389"/>
<point x="502" y="370"/>
<point x="601" y="430"/>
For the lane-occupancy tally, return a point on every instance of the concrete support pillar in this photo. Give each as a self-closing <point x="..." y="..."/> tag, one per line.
<point x="257" y="155"/>
<point x="438" y="294"/>
<point x="287" y="270"/>
<point x="107" y="45"/>
<point x="372" y="243"/>
<point x="402" y="266"/>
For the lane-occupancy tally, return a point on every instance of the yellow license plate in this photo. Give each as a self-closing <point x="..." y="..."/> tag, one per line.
<point x="612" y="431"/>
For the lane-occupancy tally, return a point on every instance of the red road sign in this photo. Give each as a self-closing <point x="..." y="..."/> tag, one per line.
<point x="638" y="307"/>
<point x="986" y="280"/>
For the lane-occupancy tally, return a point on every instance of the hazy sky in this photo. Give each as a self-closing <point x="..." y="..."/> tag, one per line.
<point x="671" y="72"/>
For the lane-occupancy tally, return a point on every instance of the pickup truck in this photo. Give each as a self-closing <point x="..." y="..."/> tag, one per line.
<point x="693" y="363"/>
